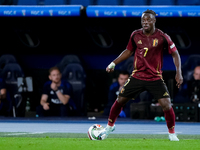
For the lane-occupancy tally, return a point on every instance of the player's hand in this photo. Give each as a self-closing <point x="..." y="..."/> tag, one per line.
<point x="179" y="79"/>
<point x="110" y="67"/>
<point x="46" y="106"/>
<point x="109" y="70"/>
<point x="54" y="86"/>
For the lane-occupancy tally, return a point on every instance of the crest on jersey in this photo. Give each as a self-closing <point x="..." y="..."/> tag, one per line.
<point x="122" y="90"/>
<point x="155" y="42"/>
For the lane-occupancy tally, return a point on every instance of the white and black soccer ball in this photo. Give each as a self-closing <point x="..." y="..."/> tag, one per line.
<point x="95" y="132"/>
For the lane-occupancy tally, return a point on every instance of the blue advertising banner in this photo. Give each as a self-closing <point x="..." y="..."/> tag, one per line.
<point x="97" y="11"/>
<point x="136" y="11"/>
<point x="36" y="11"/>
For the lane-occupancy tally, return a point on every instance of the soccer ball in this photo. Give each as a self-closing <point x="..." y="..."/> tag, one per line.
<point x="95" y="132"/>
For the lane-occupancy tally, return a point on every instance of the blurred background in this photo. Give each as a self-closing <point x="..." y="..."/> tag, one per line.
<point x="38" y="43"/>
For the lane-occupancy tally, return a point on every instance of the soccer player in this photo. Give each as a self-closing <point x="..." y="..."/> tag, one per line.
<point x="148" y="45"/>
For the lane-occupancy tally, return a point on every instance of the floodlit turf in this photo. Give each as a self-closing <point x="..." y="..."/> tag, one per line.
<point x="65" y="141"/>
<point x="24" y="143"/>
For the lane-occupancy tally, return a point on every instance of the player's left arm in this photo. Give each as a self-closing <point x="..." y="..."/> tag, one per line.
<point x="62" y="97"/>
<point x="177" y="63"/>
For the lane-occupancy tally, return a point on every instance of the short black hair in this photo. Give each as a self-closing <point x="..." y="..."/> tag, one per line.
<point x="124" y="72"/>
<point x="150" y="12"/>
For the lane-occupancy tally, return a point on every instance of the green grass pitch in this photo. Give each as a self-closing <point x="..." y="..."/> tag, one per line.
<point x="72" y="141"/>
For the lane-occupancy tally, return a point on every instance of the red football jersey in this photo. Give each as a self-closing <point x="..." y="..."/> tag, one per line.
<point x="148" y="57"/>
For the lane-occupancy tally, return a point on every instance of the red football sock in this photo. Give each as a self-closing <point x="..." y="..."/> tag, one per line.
<point x="114" y="113"/>
<point x="170" y="120"/>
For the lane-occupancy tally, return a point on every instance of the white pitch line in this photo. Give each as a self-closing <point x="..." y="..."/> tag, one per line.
<point x="25" y="133"/>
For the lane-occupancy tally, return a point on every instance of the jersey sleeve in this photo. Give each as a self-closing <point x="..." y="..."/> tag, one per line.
<point x="171" y="46"/>
<point x="67" y="88"/>
<point x="130" y="45"/>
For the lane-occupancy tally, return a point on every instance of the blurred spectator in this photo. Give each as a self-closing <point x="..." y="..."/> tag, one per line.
<point x="190" y="92"/>
<point x="4" y="103"/>
<point x="56" y="96"/>
<point x="2" y="90"/>
<point x="196" y="74"/>
<point x="194" y="86"/>
<point x="114" y="91"/>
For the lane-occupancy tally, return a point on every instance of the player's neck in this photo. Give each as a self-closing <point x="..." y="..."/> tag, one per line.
<point x="57" y="83"/>
<point x="150" y="32"/>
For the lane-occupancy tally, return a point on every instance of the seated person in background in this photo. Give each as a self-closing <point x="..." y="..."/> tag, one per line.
<point x="114" y="91"/>
<point x="56" y="96"/>
<point x="4" y="104"/>
<point x="191" y="90"/>
<point x="194" y="86"/>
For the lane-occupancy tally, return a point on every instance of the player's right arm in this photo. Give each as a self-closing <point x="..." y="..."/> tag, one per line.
<point x="123" y="56"/>
<point x="43" y="102"/>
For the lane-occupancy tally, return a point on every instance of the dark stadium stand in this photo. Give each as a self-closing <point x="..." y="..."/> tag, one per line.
<point x="25" y="2"/>
<point x="163" y="2"/>
<point x="186" y="2"/>
<point x="81" y="2"/>
<point x="54" y="2"/>
<point x="134" y="2"/>
<point x="105" y="2"/>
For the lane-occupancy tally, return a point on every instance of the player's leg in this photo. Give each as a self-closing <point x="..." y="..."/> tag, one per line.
<point x="160" y="92"/>
<point x="169" y="117"/>
<point x="114" y="113"/>
<point x="116" y="109"/>
<point x="169" y="113"/>
<point x="130" y="90"/>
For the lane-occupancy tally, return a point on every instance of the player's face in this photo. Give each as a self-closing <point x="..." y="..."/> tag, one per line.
<point x="197" y="73"/>
<point x="148" y="22"/>
<point x="122" y="79"/>
<point x="55" y="76"/>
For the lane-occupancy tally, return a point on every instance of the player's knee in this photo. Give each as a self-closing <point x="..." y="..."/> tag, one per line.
<point x="122" y="100"/>
<point x="166" y="107"/>
<point x="165" y="104"/>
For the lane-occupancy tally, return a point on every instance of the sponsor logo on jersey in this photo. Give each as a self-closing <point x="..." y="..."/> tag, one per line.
<point x="122" y="90"/>
<point x="139" y="42"/>
<point x="51" y="92"/>
<point x="165" y="94"/>
<point x="56" y="101"/>
<point x="155" y="42"/>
